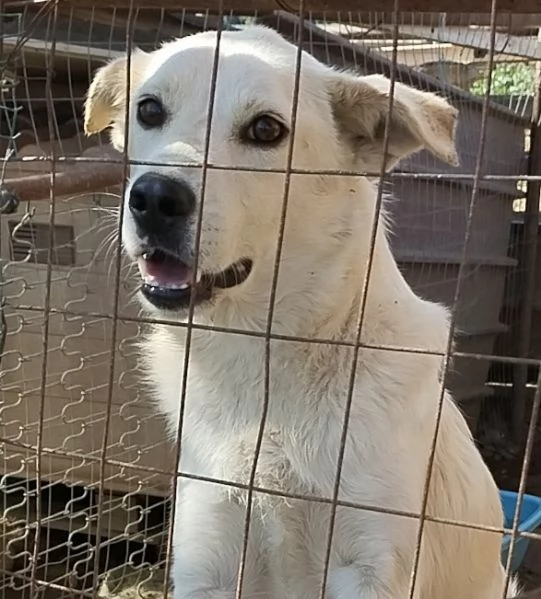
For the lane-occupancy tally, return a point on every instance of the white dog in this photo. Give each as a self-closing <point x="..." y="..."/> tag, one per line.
<point x="339" y="125"/>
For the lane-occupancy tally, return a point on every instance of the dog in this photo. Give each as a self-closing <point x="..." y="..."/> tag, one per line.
<point x="324" y="253"/>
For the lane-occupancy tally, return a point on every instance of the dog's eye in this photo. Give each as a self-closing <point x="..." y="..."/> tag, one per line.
<point x="265" y="129"/>
<point x="151" y="113"/>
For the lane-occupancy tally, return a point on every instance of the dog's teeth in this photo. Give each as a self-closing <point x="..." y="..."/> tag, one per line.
<point x="151" y="281"/>
<point x="181" y="286"/>
<point x="199" y="275"/>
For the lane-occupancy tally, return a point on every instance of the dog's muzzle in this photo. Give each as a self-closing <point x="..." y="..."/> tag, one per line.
<point x="163" y="212"/>
<point x="159" y="204"/>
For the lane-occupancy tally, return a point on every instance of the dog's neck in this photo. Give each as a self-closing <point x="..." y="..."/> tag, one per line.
<point x="324" y="300"/>
<point x="372" y="295"/>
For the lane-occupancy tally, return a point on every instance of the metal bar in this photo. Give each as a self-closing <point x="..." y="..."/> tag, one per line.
<point x="513" y="24"/>
<point x="454" y="309"/>
<point x="34" y="586"/>
<point x="527" y="265"/>
<point x="81" y="179"/>
<point x="65" y="50"/>
<point x="115" y="316"/>
<point x="191" y="307"/>
<point x="535" y="536"/>
<point x="279" y="337"/>
<point x="272" y="298"/>
<point x="250" y="6"/>
<point x="466" y="37"/>
<point x="429" y="176"/>
<point x="530" y="439"/>
<point x="363" y="301"/>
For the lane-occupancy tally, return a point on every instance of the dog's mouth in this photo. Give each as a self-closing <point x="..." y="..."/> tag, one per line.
<point x="169" y="283"/>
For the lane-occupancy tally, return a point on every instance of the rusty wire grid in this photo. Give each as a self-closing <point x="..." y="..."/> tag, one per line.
<point x="88" y="472"/>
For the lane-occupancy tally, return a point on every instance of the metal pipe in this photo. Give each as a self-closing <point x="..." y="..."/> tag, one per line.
<point x="81" y="178"/>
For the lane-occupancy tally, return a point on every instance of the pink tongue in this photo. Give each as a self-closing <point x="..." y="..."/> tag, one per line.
<point x="166" y="271"/>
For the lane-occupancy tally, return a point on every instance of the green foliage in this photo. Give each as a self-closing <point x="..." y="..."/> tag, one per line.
<point x="508" y="79"/>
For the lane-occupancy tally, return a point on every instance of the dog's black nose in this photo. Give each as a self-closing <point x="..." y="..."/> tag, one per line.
<point x="157" y="201"/>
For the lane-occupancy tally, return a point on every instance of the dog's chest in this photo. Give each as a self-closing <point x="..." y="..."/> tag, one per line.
<point x="227" y="392"/>
<point x="226" y="388"/>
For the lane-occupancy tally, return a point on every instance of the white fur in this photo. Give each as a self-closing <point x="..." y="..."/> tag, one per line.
<point x="322" y="269"/>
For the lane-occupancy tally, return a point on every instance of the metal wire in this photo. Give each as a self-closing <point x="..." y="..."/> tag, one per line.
<point x="109" y="445"/>
<point x="34" y="589"/>
<point x="197" y="242"/>
<point x="116" y="304"/>
<point x="282" y="337"/>
<point x="364" y="297"/>
<point x="452" y="324"/>
<point x="272" y="298"/>
<point x="534" y="418"/>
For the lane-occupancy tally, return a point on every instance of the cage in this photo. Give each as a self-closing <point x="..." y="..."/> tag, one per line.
<point x="87" y="465"/>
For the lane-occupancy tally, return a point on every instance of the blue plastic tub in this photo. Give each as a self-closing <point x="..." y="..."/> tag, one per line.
<point x="530" y="519"/>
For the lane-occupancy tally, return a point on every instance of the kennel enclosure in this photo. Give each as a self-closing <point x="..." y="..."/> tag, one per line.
<point x="66" y="417"/>
<point x="429" y="216"/>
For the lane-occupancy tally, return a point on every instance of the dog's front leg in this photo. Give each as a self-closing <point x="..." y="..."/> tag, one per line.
<point x="208" y="546"/>
<point x="360" y="581"/>
<point x="370" y="557"/>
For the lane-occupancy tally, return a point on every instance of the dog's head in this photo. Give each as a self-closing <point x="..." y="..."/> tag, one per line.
<point x="339" y="123"/>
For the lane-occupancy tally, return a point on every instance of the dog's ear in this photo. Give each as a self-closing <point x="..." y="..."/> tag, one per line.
<point x="105" y="103"/>
<point x="418" y="120"/>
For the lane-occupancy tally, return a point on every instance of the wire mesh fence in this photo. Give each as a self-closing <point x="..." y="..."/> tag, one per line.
<point x="89" y="465"/>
